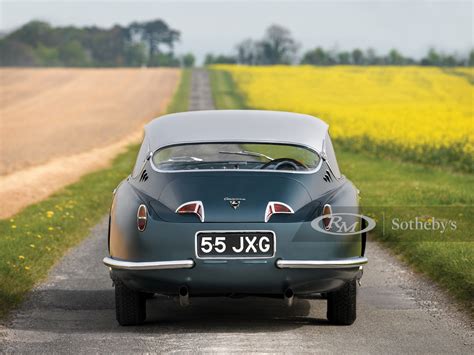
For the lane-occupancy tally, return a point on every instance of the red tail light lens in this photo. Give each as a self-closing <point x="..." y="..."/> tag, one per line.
<point x="327" y="212"/>
<point x="142" y="216"/>
<point x="195" y="207"/>
<point x="275" y="208"/>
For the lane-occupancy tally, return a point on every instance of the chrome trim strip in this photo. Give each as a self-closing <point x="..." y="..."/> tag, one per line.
<point x="148" y="265"/>
<point x="322" y="264"/>
<point x="234" y="257"/>
<point x="315" y="170"/>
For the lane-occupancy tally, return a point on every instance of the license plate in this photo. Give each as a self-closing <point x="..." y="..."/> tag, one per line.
<point x="235" y="244"/>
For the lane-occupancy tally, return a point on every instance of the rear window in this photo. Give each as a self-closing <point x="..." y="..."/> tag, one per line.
<point x="233" y="156"/>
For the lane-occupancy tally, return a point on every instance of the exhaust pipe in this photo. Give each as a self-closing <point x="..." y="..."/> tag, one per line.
<point x="183" y="296"/>
<point x="289" y="297"/>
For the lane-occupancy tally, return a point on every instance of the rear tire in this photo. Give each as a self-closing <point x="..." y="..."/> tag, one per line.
<point x="130" y="305"/>
<point x="342" y="304"/>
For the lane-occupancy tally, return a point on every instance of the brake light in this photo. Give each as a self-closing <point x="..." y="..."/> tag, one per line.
<point x="142" y="216"/>
<point x="327" y="213"/>
<point x="276" y="208"/>
<point x="195" y="207"/>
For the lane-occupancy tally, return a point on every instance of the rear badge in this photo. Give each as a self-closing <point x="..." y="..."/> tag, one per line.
<point x="234" y="202"/>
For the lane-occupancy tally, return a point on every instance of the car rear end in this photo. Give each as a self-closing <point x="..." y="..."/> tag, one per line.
<point x="229" y="219"/>
<point x="265" y="245"/>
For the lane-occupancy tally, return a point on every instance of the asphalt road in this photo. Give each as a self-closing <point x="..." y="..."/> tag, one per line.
<point x="73" y="311"/>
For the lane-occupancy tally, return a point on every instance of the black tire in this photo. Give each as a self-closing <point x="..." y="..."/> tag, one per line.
<point x="130" y="305"/>
<point x="342" y="304"/>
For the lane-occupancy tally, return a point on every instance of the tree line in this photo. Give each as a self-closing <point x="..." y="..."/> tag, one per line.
<point x="279" y="47"/>
<point x="152" y="43"/>
<point x="37" y="43"/>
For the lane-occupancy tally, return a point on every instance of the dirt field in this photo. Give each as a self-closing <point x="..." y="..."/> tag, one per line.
<point x="57" y="124"/>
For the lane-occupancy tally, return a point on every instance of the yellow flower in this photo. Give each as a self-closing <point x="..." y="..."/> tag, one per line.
<point x="27" y="268"/>
<point x="32" y="246"/>
<point x="50" y="228"/>
<point x="414" y="110"/>
<point x="21" y="257"/>
<point x="49" y="214"/>
<point x="39" y="236"/>
<point x="13" y="226"/>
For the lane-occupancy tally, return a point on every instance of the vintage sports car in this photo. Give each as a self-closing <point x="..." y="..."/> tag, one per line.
<point x="224" y="203"/>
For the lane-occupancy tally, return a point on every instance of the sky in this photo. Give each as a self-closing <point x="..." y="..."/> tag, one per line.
<point x="412" y="26"/>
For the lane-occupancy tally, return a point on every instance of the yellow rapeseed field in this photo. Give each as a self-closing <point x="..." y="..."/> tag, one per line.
<point x="423" y="114"/>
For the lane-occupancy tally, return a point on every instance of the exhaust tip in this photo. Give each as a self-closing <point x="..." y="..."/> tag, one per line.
<point x="183" y="291"/>
<point x="183" y="296"/>
<point x="289" y="296"/>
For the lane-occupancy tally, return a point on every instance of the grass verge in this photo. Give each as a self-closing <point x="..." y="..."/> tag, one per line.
<point x="180" y="100"/>
<point x="395" y="189"/>
<point x="32" y="241"/>
<point x="223" y="91"/>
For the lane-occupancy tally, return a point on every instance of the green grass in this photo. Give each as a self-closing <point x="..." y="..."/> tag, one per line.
<point x="32" y="241"/>
<point x="396" y="189"/>
<point x="392" y="189"/>
<point x="223" y="91"/>
<point x="180" y="100"/>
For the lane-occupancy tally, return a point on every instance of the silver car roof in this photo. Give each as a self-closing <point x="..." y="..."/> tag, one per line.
<point x="236" y="126"/>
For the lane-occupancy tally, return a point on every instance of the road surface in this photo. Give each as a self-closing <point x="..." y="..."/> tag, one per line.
<point x="73" y="311"/>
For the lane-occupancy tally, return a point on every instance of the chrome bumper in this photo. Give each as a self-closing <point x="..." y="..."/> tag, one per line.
<point x="148" y="265"/>
<point x="322" y="264"/>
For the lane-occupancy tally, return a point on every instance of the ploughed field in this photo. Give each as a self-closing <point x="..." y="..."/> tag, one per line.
<point x="421" y="114"/>
<point x="51" y="113"/>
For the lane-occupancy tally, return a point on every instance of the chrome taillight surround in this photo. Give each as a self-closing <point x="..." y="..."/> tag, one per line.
<point x="275" y="207"/>
<point x="327" y="213"/>
<point x="142" y="217"/>
<point x="195" y="207"/>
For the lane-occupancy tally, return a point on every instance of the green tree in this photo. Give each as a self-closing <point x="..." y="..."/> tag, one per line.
<point x="431" y="58"/>
<point x="47" y="56"/>
<point x="219" y="59"/>
<point x="317" y="56"/>
<point x="247" y="52"/>
<point x="73" y="54"/>
<point x="15" y="53"/>
<point x="470" y="60"/>
<point x="395" y="58"/>
<point x="135" y="54"/>
<point x="155" y="34"/>
<point x="188" y="60"/>
<point x="163" y="60"/>
<point x="357" y="57"/>
<point x="277" y="46"/>
<point x="344" y="58"/>
<point x="34" y="33"/>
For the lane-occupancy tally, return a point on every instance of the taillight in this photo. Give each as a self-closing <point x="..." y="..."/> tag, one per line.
<point x="327" y="213"/>
<point x="142" y="216"/>
<point x="195" y="207"/>
<point x="275" y="208"/>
